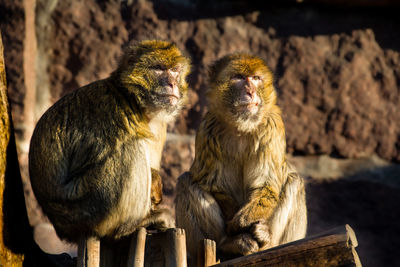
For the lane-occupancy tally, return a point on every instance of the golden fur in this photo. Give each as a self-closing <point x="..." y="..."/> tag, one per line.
<point x="94" y="153"/>
<point x="240" y="190"/>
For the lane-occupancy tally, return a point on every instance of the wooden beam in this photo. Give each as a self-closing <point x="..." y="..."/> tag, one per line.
<point x="335" y="247"/>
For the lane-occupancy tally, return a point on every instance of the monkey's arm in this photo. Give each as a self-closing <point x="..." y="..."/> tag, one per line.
<point x="198" y="212"/>
<point x="261" y="204"/>
<point x="156" y="188"/>
<point x="158" y="218"/>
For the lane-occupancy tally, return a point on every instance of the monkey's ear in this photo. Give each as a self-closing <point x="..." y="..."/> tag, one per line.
<point x="128" y="57"/>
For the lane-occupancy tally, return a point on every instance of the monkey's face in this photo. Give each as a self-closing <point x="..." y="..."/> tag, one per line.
<point x="243" y="92"/>
<point x="167" y="82"/>
<point x="241" y="88"/>
<point x="157" y="75"/>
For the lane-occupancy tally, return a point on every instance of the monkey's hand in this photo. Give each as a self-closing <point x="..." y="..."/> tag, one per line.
<point x="261" y="233"/>
<point x="259" y="207"/>
<point x="243" y="244"/>
<point x="156" y="189"/>
<point x="160" y="219"/>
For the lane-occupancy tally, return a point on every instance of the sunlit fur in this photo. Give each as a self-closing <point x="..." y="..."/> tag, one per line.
<point x="94" y="153"/>
<point x="240" y="190"/>
<point x="222" y="95"/>
<point x="136" y="76"/>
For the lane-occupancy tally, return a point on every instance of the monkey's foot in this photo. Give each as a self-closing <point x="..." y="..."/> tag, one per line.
<point x="242" y="244"/>
<point x="159" y="219"/>
<point x="260" y="232"/>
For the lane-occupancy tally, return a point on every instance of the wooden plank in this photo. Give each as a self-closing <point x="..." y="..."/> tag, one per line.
<point x="206" y="255"/>
<point x="335" y="247"/>
<point x="88" y="252"/>
<point x="137" y="249"/>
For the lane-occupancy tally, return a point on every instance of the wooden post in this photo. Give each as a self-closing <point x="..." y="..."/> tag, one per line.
<point x="166" y="248"/>
<point x="175" y="252"/>
<point x="89" y="252"/>
<point x="206" y="256"/>
<point x="330" y="249"/>
<point x="136" y="249"/>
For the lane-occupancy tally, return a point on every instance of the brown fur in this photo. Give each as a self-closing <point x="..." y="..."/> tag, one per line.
<point x="240" y="190"/>
<point x="95" y="154"/>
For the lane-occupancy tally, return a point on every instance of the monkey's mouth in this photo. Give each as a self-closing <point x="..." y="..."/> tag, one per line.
<point x="168" y="95"/>
<point x="171" y="98"/>
<point x="251" y="107"/>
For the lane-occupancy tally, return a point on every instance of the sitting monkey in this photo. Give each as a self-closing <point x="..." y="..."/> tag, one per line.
<point x="240" y="191"/>
<point x="95" y="154"/>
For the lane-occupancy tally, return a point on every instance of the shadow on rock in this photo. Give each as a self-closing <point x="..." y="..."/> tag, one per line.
<point x="368" y="202"/>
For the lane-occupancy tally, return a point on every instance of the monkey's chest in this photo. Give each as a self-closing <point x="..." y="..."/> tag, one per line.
<point x="229" y="190"/>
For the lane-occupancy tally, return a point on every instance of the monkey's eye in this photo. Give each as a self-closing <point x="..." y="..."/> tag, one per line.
<point x="256" y="78"/>
<point x="238" y="77"/>
<point x="175" y="69"/>
<point x="158" y="69"/>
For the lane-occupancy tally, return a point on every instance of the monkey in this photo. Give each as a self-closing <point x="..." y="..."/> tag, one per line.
<point x="240" y="191"/>
<point x="95" y="155"/>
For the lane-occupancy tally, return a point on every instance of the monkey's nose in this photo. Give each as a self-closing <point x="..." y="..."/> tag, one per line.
<point x="250" y="91"/>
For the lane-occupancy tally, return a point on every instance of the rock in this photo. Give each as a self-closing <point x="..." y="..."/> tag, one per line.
<point x="12" y="24"/>
<point x="369" y="207"/>
<point x="335" y="94"/>
<point x="177" y="158"/>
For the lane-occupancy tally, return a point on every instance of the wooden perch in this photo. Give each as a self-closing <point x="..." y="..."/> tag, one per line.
<point x="335" y="247"/>
<point x="140" y="249"/>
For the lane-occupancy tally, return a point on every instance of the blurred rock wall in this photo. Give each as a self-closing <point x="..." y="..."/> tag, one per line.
<point x="339" y="87"/>
<point x="336" y="64"/>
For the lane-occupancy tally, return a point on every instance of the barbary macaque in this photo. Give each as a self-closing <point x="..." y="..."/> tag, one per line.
<point x="240" y="190"/>
<point x="95" y="154"/>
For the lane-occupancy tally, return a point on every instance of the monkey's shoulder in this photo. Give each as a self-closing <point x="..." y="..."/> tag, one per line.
<point x="96" y="107"/>
<point x="89" y="123"/>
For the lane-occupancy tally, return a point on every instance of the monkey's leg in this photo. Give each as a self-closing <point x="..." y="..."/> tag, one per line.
<point x="289" y="220"/>
<point x="255" y="213"/>
<point x="198" y="213"/>
<point x="158" y="218"/>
